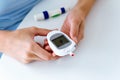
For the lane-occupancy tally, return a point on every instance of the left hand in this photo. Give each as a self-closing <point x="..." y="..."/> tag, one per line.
<point x="74" y="24"/>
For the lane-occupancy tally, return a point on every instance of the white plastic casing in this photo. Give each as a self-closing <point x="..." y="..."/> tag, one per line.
<point x="63" y="51"/>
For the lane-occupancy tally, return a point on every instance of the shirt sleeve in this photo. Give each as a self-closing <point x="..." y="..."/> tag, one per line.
<point x="12" y="12"/>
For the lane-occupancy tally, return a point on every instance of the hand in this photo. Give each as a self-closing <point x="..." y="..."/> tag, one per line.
<point x="47" y="47"/>
<point x="20" y="45"/>
<point x="74" y="24"/>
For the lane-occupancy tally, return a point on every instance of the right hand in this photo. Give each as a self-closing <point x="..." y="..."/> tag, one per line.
<point x="20" y="45"/>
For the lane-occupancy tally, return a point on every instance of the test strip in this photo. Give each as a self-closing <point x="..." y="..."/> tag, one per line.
<point x="51" y="14"/>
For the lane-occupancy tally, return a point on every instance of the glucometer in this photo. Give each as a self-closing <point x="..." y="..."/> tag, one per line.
<point x="60" y="43"/>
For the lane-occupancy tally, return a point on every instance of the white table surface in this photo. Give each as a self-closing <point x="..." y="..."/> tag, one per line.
<point x="97" y="57"/>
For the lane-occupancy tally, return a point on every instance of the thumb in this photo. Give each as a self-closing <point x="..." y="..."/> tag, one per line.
<point x="74" y="30"/>
<point x="40" y="31"/>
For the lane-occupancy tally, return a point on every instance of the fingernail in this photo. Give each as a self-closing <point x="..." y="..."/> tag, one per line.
<point x="53" y="55"/>
<point x="75" y="39"/>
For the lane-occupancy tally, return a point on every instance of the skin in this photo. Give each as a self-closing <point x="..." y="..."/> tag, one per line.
<point x="20" y="44"/>
<point x="73" y="25"/>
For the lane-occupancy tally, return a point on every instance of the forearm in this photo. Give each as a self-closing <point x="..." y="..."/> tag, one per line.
<point x="85" y="5"/>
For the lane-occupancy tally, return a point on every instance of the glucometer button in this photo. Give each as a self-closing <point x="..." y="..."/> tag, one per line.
<point x="72" y="49"/>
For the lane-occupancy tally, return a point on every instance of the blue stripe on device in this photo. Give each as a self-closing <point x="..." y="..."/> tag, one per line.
<point x="63" y="10"/>
<point x="46" y="14"/>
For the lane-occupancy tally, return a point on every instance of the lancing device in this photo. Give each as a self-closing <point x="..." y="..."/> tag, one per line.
<point x="50" y="14"/>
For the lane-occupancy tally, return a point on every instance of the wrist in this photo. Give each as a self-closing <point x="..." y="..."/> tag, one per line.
<point x="80" y="11"/>
<point x="3" y="39"/>
<point x="84" y="6"/>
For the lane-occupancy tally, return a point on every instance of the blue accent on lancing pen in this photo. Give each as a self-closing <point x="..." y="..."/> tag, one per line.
<point x="63" y="10"/>
<point x="46" y="15"/>
<point x="51" y="14"/>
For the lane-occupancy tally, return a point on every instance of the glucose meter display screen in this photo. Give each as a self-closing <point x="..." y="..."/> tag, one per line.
<point x="61" y="40"/>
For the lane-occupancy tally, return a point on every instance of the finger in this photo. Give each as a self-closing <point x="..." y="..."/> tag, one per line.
<point x="66" y="27"/>
<point x="34" y="57"/>
<point x="54" y="54"/>
<point x="74" y="31"/>
<point x="45" y="42"/>
<point x="42" y="53"/>
<point x="81" y="31"/>
<point x="57" y="57"/>
<point x="48" y="48"/>
<point x="39" y="44"/>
